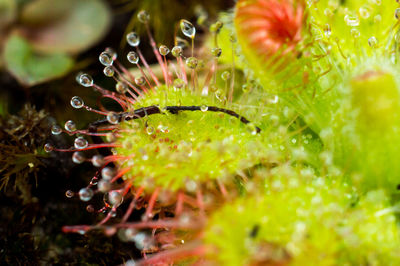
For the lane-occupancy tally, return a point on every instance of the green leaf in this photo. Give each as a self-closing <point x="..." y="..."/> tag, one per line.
<point x="29" y="67"/>
<point x="83" y="24"/>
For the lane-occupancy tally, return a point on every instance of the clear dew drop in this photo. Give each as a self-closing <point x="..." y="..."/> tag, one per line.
<point x="48" y="147"/>
<point x="177" y="51"/>
<point x="90" y="208"/>
<point x="352" y="21"/>
<point x="216" y="51"/>
<point x="251" y="128"/>
<point x="364" y="13"/>
<point x="115" y="198"/>
<point x="178" y="84"/>
<point x="107" y="173"/>
<point x="355" y="33"/>
<point x="70" y="126"/>
<point x="192" y="62"/>
<point x="80" y="143"/>
<point x="85" y="194"/>
<point x="225" y="75"/>
<point x="56" y="130"/>
<point x="111" y="52"/>
<point x="181" y="42"/>
<point x="108" y="71"/>
<point x="120" y="87"/>
<point x="140" y="81"/>
<point x="106" y="59"/>
<point x="113" y="118"/>
<point x="373" y="42"/>
<point x="133" y="39"/>
<point x="69" y="193"/>
<point x="143" y="16"/>
<point x="187" y="28"/>
<point x="216" y="27"/>
<point x="327" y="30"/>
<point x="78" y="157"/>
<point x="132" y="57"/>
<point x="164" y="50"/>
<point x="77" y="102"/>
<point x="397" y="13"/>
<point x="98" y="160"/>
<point x="204" y="108"/>
<point x="85" y="80"/>
<point x="104" y="185"/>
<point x="150" y="130"/>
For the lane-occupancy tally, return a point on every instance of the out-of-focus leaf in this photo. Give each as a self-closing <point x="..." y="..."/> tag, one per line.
<point x="84" y="24"/>
<point x="8" y="10"/>
<point x="42" y="12"/>
<point x="29" y="67"/>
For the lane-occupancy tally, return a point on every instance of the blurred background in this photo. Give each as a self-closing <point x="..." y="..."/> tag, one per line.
<point x="43" y="45"/>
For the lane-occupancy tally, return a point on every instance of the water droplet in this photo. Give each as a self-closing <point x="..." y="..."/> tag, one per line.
<point x="104" y="185"/>
<point x="107" y="173"/>
<point x="77" y="102"/>
<point x="56" y="130"/>
<point x="106" y="59"/>
<point x="181" y="42"/>
<point x="397" y="13"/>
<point x="246" y="88"/>
<point x="133" y="39"/>
<point x="251" y="128"/>
<point x="48" y="147"/>
<point x="78" y="157"/>
<point x="113" y="118"/>
<point x="115" y="197"/>
<point x="90" y="208"/>
<point x="132" y="57"/>
<point x="216" y="27"/>
<point x="327" y="30"/>
<point x="163" y="49"/>
<point x="150" y="130"/>
<point x="191" y="186"/>
<point x="98" y="160"/>
<point x="111" y="52"/>
<point x="85" y="80"/>
<point x="355" y="33"/>
<point x="143" y="16"/>
<point x="130" y="263"/>
<point x="192" y="62"/>
<point x="373" y="42"/>
<point x="364" y="13"/>
<point x="352" y="21"/>
<point x="140" y="81"/>
<point x="108" y="71"/>
<point x="274" y="99"/>
<point x="216" y="51"/>
<point x="80" y="143"/>
<point x="85" y="194"/>
<point x="69" y="193"/>
<point x="178" y="84"/>
<point x="225" y="75"/>
<point x="187" y="28"/>
<point x="120" y="87"/>
<point x="204" y="108"/>
<point x="70" y="126"/>
<point x="377" y="18"/>
<point x="177" y="51"/>
<point x="220" y="95"/>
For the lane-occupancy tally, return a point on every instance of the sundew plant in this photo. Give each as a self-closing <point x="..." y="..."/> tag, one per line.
<point x="274" y="141"/>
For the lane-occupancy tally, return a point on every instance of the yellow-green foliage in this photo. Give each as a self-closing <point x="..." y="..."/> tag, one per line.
<point x="304" y="220"/>
<point x="171" y="149"/>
